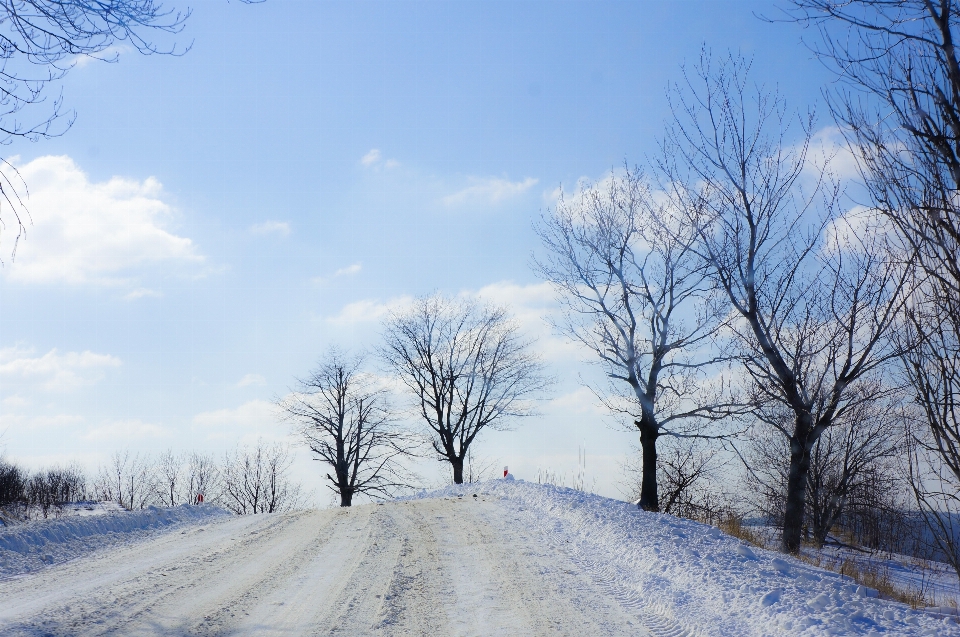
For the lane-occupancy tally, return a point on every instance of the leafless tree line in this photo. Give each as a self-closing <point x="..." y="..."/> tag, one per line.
<point x="900" y="110"/>
<point x="840" y="313"/>
<point x="244" y="481"/>
<point x="734" y="260"/>
<point x="256" y="481"/>
<point x="43" y="493"/>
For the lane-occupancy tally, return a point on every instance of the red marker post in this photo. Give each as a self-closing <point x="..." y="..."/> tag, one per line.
<point x="505" y="472"/>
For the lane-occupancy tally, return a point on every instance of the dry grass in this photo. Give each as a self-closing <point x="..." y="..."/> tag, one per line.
<point x="734" y="526"/>
<point x="875" y="575"/>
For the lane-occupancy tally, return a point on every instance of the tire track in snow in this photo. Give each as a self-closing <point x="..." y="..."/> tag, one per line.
<point x="417" y="594"/>
<point x="298" y="596"/>
<point x="67" y="585"/>
<point x="505" y="582"/>
<point x="356" y="606"/>
<point x="483" y="587"/>
<point x="229" y="607"/>
<point x="163" y="598"/>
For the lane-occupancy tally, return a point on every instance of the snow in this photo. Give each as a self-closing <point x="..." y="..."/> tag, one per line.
<point x="32" y="545"/>
<point x="936" y="581"/>
<point x="71" y="509"/>
<point x="494" y="558"/>
<point x="694" y="576"/>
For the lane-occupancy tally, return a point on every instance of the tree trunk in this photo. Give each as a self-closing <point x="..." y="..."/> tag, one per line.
<point x="649" y="500"/>
<point x="343" y="482"/>
<point x="820" y="532"/>
<point x="457" y="470"/>
<point x="796" y="489"/>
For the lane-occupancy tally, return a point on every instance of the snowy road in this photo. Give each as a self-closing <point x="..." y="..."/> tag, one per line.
<point x="443" y="566"/>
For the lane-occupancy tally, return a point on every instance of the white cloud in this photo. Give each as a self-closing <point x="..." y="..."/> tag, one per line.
<point x="855" y="229"/>
<point x="109" y="54"/>
<point x="531" y="305"/>
<point x="368" y="310"/>
<point x="371" y="157"/>
<point x="30" y="423"/>
<point x="829" y="148"/>
<point x="14" y="401"/>
<point x="140" y="293"/>
<point x="126" y="430"/>
<point x="374" y="160"/>
<point x="350" y="269"/>
<point x="256" y="415"/>
<point x="489" y="190"/>
<point x="251" y="379"/>
<point x="539" y="296"/>
<point x="534" y="306"/>
<point x="92" y="233"/>
<point x="281" y="228"/>
<point x="552" y="197"/>
<point x="581" y="400"/>
<point x="54" y="370"/>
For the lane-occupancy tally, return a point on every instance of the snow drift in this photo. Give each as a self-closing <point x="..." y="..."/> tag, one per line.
<point x="26" y="547"/>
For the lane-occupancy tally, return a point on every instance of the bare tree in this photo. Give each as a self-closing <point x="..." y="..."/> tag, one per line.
<point x="257" y="481"/>
<point x="344" y="419"/>
<point x="686" y="488"/>
<point x="851" y="463"/>
<point x="202" y="478"/>
<point x="637" y="295"/>
<point x="479" y="469"/>
<point x="902" y="116"/>
<point x="932" y="367"/>
<point x="169" y="479"/>
<point x="467" y="367"/>
<point x="13" y="482"/>
<point x="48" y="491"/>
<point x="126" y="481"/>
<point x="936" y="491"/>
<point x="815" y="300"/>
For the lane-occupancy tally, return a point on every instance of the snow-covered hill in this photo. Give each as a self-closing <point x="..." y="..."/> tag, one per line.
<point x="495" y="558"/>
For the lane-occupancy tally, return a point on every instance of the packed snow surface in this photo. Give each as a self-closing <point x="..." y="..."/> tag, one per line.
<point x="517" y="559"/>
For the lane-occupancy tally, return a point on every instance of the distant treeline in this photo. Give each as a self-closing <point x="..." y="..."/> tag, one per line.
<point x="244" y="481"/>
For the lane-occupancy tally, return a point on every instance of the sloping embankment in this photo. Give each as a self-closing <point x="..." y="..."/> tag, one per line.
<point x="32" y="545"/>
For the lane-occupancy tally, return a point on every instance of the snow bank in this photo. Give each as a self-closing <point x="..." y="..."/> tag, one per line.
<point x="693" y="577"/>
<point x="32" y="545"/>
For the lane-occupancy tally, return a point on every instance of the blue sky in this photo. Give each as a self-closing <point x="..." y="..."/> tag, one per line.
<point x="212" y="222"/>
